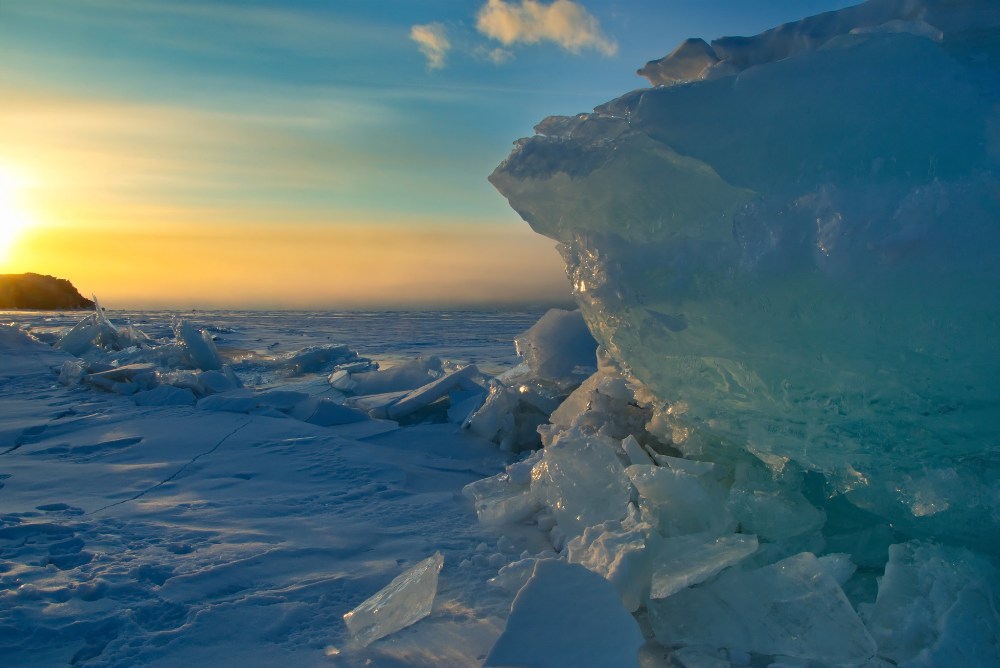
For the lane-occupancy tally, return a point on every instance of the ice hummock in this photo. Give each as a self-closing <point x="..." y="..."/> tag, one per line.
<point x="404" y="601"/>
<point x="787" y="256"/>
<point x="795" y="253"/>
<point x="197" y="347"/>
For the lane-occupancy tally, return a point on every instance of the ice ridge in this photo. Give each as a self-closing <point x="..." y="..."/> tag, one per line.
<point x="798" y="258"/>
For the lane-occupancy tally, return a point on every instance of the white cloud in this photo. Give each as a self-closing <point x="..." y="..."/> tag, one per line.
<point x="432" y="42"/>
<point x="564" y="22"/>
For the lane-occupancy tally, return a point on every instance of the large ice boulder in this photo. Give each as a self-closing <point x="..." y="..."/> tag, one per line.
<point x="567" y="617"/>
<point x="557" y="344"/>
<point x="797" y="255"/>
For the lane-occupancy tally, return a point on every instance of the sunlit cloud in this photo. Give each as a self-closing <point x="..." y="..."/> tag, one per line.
<point x="432" y="42"/>
<point x="563" y="22"/>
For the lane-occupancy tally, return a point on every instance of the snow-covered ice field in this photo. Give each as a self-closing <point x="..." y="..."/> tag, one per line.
<point x="165" y="500"/>
<point x="177" y="536"/>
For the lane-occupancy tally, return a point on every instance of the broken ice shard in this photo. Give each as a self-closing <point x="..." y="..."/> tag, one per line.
<point x="623" y="554"/>
<point x="690" y="560"/>
<point x="798" y="253"/>
<point x="582" y="482"/>
<point x="405" y="600"/>
<point x="764" y="508"/>
<point x="498" y="500"/>
<point x="513" y="576"/>
<point x="678" y="503"/>
<point x="199" y="349"/>
<point x="793" y="608"/>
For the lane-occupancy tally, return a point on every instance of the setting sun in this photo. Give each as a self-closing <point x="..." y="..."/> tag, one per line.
<point x="12" y="217"/>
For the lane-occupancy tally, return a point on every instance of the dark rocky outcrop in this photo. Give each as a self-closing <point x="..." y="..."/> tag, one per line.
<point x="42" y="293"/>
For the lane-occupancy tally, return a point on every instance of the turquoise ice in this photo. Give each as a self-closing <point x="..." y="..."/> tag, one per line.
<point x="798" y="255"/>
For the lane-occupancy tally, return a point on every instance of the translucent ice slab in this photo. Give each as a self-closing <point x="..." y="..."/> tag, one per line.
<point x="793" y="608"/>
<point x="689" y="560"/>
<point x="581" y="480"/>
<point x="405" y="600"/>
<point x="678" y="503"/>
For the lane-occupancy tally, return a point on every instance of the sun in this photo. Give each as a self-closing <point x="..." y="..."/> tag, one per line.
<point x="13" y="218"/>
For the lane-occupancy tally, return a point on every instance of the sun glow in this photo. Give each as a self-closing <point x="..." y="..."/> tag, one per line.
<point x="13" y="218"/>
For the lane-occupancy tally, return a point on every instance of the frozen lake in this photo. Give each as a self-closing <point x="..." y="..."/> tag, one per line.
<point x="171" y="535"/>
<point x="485" y="338"/>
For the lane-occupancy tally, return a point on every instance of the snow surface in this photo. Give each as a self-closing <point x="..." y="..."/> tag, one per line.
<point x="173" y="535"/>
<point x="567" y="617"/>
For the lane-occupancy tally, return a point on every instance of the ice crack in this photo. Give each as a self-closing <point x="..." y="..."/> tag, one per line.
<point x="176" y="473"/>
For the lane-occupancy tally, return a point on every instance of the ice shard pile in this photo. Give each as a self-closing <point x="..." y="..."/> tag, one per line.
<point x="792" y="244"/>
<point x="558" y="354"/>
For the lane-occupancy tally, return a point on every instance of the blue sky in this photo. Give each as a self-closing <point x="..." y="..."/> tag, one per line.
<point x="307" y="112"/>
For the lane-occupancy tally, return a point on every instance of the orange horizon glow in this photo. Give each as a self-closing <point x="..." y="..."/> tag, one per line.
<point x="296" y="266"/>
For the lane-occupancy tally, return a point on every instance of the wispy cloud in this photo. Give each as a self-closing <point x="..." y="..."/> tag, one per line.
<point x="432" y="42"/>
<point x="216" y="28"/>
<point x="499" y="56"/>
<point x="563" y="22"/>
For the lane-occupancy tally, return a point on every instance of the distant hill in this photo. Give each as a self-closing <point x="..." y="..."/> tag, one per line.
<point x="40" y="293"/>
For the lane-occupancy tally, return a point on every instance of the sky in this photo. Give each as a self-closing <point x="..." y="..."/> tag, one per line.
<point x="306" y="153"/>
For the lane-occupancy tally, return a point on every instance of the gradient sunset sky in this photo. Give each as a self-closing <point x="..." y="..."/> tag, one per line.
<point x="306" y="154"/>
